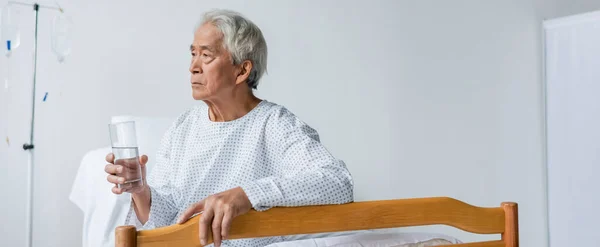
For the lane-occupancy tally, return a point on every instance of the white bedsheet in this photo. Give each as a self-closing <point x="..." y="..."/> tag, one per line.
<point x="374" y="239"/>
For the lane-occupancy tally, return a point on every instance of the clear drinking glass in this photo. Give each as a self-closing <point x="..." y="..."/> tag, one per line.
<point x="125" y="148"/>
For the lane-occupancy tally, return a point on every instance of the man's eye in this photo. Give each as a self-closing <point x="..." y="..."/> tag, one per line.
<point x="193" y="54"/>
<point x="204" y="55"/>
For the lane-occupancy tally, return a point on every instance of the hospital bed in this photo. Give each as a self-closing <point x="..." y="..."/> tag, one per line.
<point x="353" y="216"/>
<point x="347" y="225"/>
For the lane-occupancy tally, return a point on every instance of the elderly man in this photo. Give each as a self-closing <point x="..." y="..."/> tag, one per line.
<point x="237" y="151"/>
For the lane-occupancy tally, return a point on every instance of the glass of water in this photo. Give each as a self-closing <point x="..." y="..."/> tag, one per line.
<point x="125" y="148"/>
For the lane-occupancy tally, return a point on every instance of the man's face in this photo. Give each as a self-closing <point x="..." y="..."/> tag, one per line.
<point x="213" y="72"/>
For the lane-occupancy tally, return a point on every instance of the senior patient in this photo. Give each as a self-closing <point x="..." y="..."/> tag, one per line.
<point x="237" y="151"/>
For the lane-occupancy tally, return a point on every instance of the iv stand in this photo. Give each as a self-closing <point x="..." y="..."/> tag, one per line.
<point x="29" y="147"/>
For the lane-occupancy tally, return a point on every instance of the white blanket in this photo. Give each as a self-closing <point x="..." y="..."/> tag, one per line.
<point x="375" y="238"/>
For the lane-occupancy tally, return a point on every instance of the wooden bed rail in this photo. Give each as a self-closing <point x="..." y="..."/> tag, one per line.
<point x="347" y="217"/>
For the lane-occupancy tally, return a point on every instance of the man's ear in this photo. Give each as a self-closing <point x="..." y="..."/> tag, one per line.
<point x="244" y="72"/>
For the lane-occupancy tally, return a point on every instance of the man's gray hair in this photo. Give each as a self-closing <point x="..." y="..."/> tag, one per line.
<point x="242" y="38"/>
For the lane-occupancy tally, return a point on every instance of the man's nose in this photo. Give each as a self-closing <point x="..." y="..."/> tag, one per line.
<point x="195" y="67"/>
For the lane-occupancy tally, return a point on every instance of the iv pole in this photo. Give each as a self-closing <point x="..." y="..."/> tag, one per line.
<point x="29" y="147"/>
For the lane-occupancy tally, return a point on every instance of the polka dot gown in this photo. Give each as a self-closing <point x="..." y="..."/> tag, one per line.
<point x="272" y="155"/>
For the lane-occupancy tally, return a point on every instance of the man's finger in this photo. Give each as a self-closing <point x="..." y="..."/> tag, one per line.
<point x="143" y="160"/>
<point x="226" y="224"/>
<point x="205" y="225"/>
<point x="117" y="191"/>
<point x="110" y="158"/>
<point x="113" y="169"/>
<point x="115" y="179"/>
<point x="195" y="208"/>
<point x="216" y="227"/>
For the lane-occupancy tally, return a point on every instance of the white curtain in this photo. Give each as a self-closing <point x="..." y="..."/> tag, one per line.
<point x="573" y="129"/>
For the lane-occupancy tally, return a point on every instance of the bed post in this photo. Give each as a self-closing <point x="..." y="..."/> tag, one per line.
<point x="511" y="224"/>
<point x="125" y="236"/>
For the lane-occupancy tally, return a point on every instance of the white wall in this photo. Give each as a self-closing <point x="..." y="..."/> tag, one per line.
<point x="420" y="98"/>
<point x="573" y="58"/>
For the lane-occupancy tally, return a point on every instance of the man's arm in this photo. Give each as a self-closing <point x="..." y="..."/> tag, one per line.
<point x="141" y="204"/>
<point x="311" y="175"/>
<point x="155" y="206"/>
<point x="152" y="210"/>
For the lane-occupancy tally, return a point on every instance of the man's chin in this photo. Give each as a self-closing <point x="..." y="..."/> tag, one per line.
<point x="198" y="95"/>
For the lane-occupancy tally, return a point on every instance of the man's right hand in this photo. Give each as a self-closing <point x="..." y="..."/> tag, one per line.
<point x="115" y="170"/>
<point x="140" y="196"/>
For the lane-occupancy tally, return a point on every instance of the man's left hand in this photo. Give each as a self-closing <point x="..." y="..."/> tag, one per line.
<point x="218" y="212"/>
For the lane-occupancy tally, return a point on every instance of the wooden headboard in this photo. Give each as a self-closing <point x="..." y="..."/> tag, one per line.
<point x="347" y="217"/>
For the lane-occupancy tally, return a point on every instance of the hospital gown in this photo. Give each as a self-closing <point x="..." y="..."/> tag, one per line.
<point x="272" y="155"/>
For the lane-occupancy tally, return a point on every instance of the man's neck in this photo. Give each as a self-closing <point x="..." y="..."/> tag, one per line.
<point x="232" y="108"/>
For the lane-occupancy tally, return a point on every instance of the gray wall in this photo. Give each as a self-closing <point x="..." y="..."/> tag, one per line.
<point x="420" y="98"/>
<point x="572" y="7"/>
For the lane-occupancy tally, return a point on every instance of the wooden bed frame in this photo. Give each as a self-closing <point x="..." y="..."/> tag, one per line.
<point x="347" y="217"/>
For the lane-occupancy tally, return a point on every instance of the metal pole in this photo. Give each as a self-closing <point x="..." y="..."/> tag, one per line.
<point x="36" y="8"/>
<point x="29" y="146"/>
